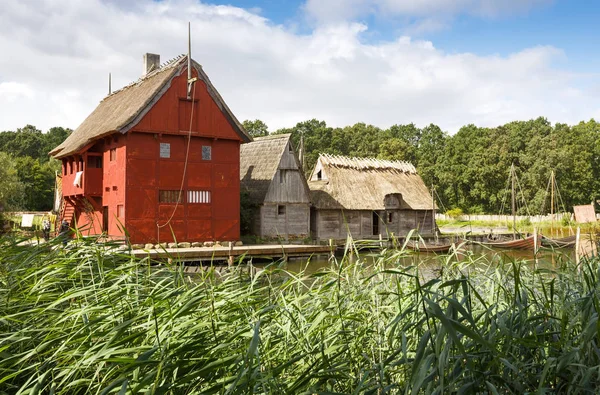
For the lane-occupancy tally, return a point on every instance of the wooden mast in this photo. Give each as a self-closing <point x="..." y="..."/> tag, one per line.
<point x="552" y="202"/>
<point x="433" y="230"/>
<point x="514" y="211"/>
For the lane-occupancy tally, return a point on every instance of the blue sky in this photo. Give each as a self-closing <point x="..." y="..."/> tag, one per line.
<point x="384" y="62"/>
<point x="573" y="26"/>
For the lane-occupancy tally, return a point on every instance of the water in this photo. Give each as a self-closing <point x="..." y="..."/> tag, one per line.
<point x="431" y="262"/>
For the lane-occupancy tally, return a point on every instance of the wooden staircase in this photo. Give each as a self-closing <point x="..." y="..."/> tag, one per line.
<point x="67" y="213"/>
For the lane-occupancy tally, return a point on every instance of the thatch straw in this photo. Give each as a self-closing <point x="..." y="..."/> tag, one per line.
<point x="259" y="161"/>
<point x="363" y="183"/>
<point x="123" y="109"/>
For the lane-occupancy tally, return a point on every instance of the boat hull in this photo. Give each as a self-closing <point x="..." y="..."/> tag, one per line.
<point x="526" y="243"/>
<point x="435" y="248"/>
<point x="564" y="242"/>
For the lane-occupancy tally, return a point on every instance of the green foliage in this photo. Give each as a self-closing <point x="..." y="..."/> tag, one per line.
<point x="247" y="212"/>
<point x="28" y="148"/>
<point x="256" y="128"/>
<point x="12" y="190"/>
<point x="525" y="222"/>
<point x="92" y="320"/>
<point x="454" y="213"/>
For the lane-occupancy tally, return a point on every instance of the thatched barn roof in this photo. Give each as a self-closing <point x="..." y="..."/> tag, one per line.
<point x="259" y="161"/>
<point x="123" y="109"/>
<point x="363" y="183"/>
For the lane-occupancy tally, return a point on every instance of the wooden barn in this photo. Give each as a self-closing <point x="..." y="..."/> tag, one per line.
<point x="270" y="173"/>
<point x="158" y="158"/>
<point x="368" y="198"/>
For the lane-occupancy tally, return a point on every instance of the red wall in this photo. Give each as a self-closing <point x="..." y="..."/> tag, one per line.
<point x="113" y="190"/>
<point x="137" y="175"/>
<point x="147" y="173"/>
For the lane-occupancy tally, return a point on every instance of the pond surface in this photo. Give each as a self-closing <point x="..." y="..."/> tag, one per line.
<point x="434" y="262"/>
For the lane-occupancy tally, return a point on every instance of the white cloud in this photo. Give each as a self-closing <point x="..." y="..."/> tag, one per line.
<point x="57" y="60"/>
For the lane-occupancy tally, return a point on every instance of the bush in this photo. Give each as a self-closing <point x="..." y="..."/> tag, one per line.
<point x="454" y="213"/>
<point x="525" y="222"/>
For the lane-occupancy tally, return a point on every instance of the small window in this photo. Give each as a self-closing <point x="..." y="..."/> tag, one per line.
<point x="206" y="152"/>
<point x="170" y="197"/>
<point x="64" y="168"/>
<point x="281" y="176"/>
<point x="319" y="175"/>
<point x="120" y="211"/>
<point x="165" y="150"/>
<point x="113" y="154"/>
<point x="94" y="162"/>
<point x="290" y="149"/>
<point x="390" y="218"/>
<point x="280" y="210"/>
<point x="198" y="196"/>
<point x="71" y="165"/>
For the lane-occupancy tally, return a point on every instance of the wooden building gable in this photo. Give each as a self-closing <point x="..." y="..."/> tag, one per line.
<point x="270" y="172"/>
<point x="162" y="163"/>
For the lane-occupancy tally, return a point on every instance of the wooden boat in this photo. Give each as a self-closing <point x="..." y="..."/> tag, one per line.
<point x="435" y="248"/>
<point x="526" y="243"/>
<point x="563" y="242"/>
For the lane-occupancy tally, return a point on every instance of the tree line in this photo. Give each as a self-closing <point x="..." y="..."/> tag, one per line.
<point x="26" y="170"/>
<point x="469" y="169"/>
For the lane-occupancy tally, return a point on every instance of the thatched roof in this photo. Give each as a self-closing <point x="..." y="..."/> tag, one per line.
<point x="123" y="109"/>
<point x="259" y="161"/>
<point x="362" y="184"/>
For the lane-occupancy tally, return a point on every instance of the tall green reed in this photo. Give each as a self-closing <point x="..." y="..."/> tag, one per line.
<point x="92" y="319"/>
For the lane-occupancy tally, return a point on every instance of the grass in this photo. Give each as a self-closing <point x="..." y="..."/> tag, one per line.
<point x="545" y="227"/>
<point x="92" y="320"/>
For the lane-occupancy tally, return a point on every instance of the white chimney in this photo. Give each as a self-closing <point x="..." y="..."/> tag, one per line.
<point x="151" y="63"/>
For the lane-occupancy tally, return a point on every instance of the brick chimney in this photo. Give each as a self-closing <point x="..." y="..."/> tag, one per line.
<point x="151" y="63"/>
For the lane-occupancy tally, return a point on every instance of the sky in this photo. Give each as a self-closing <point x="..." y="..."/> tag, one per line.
<point x="382" y="62"/>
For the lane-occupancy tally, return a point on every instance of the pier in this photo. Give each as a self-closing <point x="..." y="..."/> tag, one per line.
<point x="229" y="253"/>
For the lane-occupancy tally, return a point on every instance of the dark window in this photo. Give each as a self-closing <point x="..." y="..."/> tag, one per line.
<point x="281" y="176"/>
<point x="113" y="154"/>
<point x="64" y="168"/>
<point x="281" y="210"/>
<point x="390" y="218"/>
<point x="290" y="149"/>
<point x="94" y="162"/>
<point x="206" y="152"/>
<point x="319" y="175"/>
<point x="170" y="197"/>
<point x="71" y="165"/>
<point x="375" y="223"/>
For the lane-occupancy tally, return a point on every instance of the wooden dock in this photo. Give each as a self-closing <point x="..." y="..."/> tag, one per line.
<point x="229" y="253"/>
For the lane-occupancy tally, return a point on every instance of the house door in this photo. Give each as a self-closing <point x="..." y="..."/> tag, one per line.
<point x="105" y="219"/>
<point x="313" y="222"/>
<point x="375" y="223"/>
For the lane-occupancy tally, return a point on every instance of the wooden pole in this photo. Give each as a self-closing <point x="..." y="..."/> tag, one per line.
<point x="577" y="245"/>
<point x="552" y="203"/>
<point x="380" y="241"/>
<point x="535" y="244"/>
<point x="513" y="203"/>
<point x="230" y="258"/>
<point x="433" y="230"/>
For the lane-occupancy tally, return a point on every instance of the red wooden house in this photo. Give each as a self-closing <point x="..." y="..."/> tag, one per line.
<point x="156" y="159"/>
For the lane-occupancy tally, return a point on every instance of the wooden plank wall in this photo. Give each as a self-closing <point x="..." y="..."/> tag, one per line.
<point x="293" y="223"/>
<point x="335" y="224"/>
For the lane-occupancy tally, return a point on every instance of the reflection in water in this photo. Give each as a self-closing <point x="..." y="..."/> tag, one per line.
<point x="433" y="263"/>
